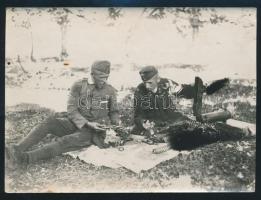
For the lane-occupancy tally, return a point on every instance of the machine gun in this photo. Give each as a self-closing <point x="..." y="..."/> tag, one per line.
<point x="122" y="134"/>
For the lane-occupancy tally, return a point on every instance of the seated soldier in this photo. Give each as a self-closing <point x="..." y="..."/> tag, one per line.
<point x="155" y="105"/>
<point x="154" y="99"/>
<point x="89" y="106"/>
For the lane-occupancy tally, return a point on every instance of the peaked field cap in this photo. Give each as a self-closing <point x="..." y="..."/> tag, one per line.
<point x="101" y="67"/>
<point x="148" y="72"/>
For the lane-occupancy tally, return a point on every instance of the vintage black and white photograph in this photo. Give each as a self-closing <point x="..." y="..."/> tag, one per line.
<point x="118" y="99"/>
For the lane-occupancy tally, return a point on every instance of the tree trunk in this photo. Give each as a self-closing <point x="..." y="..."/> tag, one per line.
<point x="188" y="135"/>
<point x="194" y="21"/>
<point x="64" y="53"/>
<point x="20" y="64"/>
<point x="32" y="48"/>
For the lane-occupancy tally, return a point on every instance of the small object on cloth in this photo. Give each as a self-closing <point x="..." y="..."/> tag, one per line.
<point x="120" y="148"/>
<point x="148" y="141"/>
<point x="161" y="149"/>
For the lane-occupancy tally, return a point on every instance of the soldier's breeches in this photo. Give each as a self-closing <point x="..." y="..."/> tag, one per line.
<point x="63" y="144"/>
<point x="188" y="135"/>
<point x="69" y="138"/>
<point x="51" y="125"/>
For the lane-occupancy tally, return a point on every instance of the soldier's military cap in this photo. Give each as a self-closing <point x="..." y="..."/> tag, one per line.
<point x="148" y="72"/>
<point x="101" y="68"/>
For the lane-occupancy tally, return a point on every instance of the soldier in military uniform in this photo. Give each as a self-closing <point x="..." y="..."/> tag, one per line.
<point x="89" y="108"/>
<point x="155" y="101"/>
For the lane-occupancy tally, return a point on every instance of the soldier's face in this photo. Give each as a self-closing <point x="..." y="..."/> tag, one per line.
<point x="151" y="85"/>
<point x="99" y="81"/>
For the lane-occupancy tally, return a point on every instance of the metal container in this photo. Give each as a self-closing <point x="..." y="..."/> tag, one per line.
<point x="216" y="116"/>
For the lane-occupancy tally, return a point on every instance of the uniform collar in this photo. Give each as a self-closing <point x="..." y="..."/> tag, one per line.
<point x="155" y="90"/>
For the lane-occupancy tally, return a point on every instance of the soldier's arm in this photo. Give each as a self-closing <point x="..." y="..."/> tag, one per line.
<point x="181" y="91"/>
<point x="186" y="91"/>
<point x="72" y="106"/>
<point x="113" y="108"/>
<point x="138" y="115"/>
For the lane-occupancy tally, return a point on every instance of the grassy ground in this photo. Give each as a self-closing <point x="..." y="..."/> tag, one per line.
<point x="227" y="166"/>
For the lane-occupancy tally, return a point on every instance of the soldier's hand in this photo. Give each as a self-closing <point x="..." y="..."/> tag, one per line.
<point x="96" y="126"/>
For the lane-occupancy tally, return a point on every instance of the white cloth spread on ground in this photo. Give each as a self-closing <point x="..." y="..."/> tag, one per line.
<point x="135" y="156"/>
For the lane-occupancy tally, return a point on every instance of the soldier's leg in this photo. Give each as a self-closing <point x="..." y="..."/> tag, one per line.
<point x="52" y="125"/>
<point x="217" y="130"/>
<point x="174" y="116"/>
<point x="191" y="134"/>
<point x="98" y="139"/>
<point x="75" y="141"/>
<point x="228" y="132"/>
